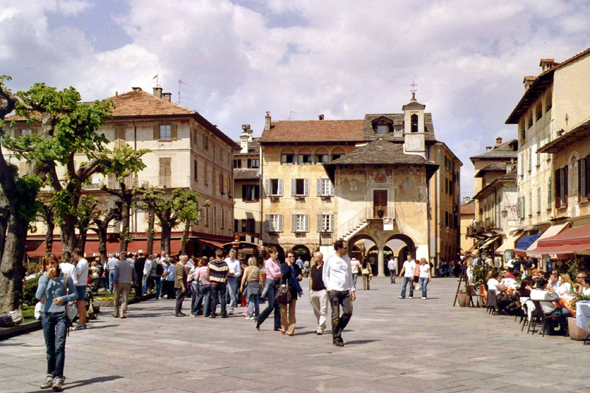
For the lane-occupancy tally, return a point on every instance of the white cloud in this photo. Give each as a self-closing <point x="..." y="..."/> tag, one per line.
<point x="343" y="58"/>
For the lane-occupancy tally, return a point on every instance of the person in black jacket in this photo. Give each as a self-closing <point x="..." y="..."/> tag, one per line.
<point x="290" y="276"/>
<point x="139" y="264"/>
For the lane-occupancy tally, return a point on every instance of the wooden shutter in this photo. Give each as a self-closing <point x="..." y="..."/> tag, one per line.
<point x="280" y="223"/>
<point x="120" y="133"/>
<point x="306" y="188"/>
<point x="256" y="193"/>
<point x="557" y="187"/>
<point x="293" y="223"/>
<point x="267" y="223"/>
<point x="319" y="223"/>
<point x="196" y="170"/>
<point x="519" y="208"/>
<point x="283" y="158"/>
<point x="244" y="193"/>
<point x="565" y="185"/>
<point x="549" y="191"/>
<point x="306" y="222"/>
<point x="156" y="131"/>
<point x="539" y="200"/>
<point x="331" y="227"/>
<point x="332" y="189"/>
<point x="523" y="207"/>
<point x="319" y="188"/>
<point x="267" y="187"/>
<point x="280" y="190"/>
<point x="293" y="187"/>
<point x="173" y="131"/>
<point x="582" y="177"/>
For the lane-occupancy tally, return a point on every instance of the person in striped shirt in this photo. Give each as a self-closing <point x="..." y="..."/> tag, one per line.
<point x="218" y="271"/>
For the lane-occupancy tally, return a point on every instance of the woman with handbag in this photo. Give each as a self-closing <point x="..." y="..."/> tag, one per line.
<point x="367" y="273"/>
<point x="250" y="287"/>
<point x="52" y="291"/>
<point x="288" y="292"/>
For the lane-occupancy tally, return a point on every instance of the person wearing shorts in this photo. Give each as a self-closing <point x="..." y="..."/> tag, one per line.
<point x="81" y="273"/>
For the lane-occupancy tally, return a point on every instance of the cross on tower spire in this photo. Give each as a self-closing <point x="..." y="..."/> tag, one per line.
<point x="413" y="90"/>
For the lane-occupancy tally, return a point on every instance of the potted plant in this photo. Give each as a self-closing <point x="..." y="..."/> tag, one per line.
<point x="380" y="212"/>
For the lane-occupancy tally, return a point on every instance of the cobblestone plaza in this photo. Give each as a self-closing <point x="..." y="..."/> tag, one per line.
<point x="392" y="345"/>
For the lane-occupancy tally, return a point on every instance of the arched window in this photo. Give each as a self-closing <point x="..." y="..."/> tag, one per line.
<point x="322" y="156"/>
<point x="304" y="156"/>
<point x="382" y="125"/>
<point x="288" y="157"/>
<point x="414" y="119"/>
<point x="548" y="100"/>
<point x="337" y="152"/>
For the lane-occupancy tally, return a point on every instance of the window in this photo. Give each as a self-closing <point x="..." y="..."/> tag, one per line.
<point x="230" y="187"/>
<point x="288" y="157"/>
<point x="207" y="216"/>
<point x="274" y="187"/>
<point x="561" y="191"/>
<point x="299" y="187"/>
<point x="530" y="120"/>
<point x="165" y="132"/>
<point x="237" y="226"/>
<point x="206" y="175"/>
<point x="538" y="111"/>
<point x="274" y="223"/>
<point x="166" y="172"/>
<point x="530" y="203"/>
<point x="221" y="190"/>
<point x="254" y="163"/>
<point x="446" y="186"/>
<point x="299" y="223"/>
<point x="304" y="157"/>
<point x="549" y="191"/>
<point x="382" y="129"/>
<point x="325" y="223"/>
<point x="205" y="142"/>
<point x="195" y="170"/>
<point x="583" y="184"/>
<point x="222" y="218"/>
<point x="337" y="153"/>
<point x="251" y="193"/>
<point x="530" y="157"/>
<point x="238" y="163"/>
<point x="95" y="180"/>
<point x="447" y="219"/>
<point x="539" y="200"/>
<point x="538" y="154"/>
<point x="26" y="132"/>
<point x="325" y="187"/>
<point x="414" y="121"/>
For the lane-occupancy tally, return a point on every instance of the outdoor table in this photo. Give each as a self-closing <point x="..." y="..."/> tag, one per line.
<point x="583" y="314"/>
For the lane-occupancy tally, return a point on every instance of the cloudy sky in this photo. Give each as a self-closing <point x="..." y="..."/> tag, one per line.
<point x="301" y="58"/>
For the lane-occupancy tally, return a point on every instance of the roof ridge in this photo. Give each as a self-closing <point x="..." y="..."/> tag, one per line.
<point x="151" y="96"/>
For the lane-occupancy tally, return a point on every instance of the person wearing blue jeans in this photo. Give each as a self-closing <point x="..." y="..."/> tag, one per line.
<point x="425" y="276"/>
<point x="157" y="281"/>
<point x="408" y="273"/>
<point x="272" y="267"/>
<point x="234" y="278"/>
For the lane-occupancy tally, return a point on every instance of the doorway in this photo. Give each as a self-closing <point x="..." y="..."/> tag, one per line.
<point x="379" y="203"/>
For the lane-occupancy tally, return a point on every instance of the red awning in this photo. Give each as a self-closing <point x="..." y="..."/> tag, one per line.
<point x="566" y="244"/>
<point x="91" y="249"/>
<point x="213" y="243"/>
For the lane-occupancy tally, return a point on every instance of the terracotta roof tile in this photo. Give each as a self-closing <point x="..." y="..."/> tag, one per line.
<point x="468" y="209"/>
<point x="381" y="152"/>
<point x="245" y="174"/>
<point x="141" y="103"/>
<point x="506" y="150"/>
<point x="314" y="131"/>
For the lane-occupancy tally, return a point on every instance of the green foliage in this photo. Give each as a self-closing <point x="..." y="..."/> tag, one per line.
<point x="480" y="272"/>
<point x="123" y="162"/>
<point x="29" y="291"/>
<point x="27" y="188"/>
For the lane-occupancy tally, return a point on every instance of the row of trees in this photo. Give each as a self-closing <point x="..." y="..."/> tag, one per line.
<point x="68" y="129"/>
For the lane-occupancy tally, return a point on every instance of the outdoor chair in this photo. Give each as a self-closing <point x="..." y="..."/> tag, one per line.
<point x="491" y="302"/>
<point x="539" y="317"/>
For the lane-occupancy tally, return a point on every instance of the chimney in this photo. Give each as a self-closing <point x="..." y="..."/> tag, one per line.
<point x="167" y="96"/>
<point x="528" y="81"/>
<point x="267" y="122"/>
<point x="136" y="88"/>
<point x="158" y="92"/>
<point x="498" y="141"/>
<point x="546" y="64"/>
<point x="321" y="117"/>
<point x="245" y="138"/>
<point x="488" y="148"/>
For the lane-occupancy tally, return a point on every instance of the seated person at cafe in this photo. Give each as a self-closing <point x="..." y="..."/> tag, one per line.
<point x="586" y="285"/>
<point x="510" y="273"/>
<point x="548" y="300"/>
<point x="578" y="287"/>
<point x="503" y="291"/>
<point x="554" y="281"/>
<point x="565" y="286"/>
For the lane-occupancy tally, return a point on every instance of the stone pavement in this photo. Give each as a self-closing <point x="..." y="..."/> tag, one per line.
<point x="392" y="345"/>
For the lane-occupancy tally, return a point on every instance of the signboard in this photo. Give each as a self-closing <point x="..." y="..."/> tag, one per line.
<point x="388" y="223"/>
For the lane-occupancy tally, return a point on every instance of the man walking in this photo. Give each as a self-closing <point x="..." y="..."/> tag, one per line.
<point x="81" y="273"/>
<point x="125" y="275"/>
<point x="392" y="269"/>
<point x="150" y="274"/>
<point x="218" y="271"/>
<point x="180" y="277"/>
<point x="337" y="277"/>
<point x="233" y="278"/>
<point x="139" y="265"/>
<point x="318" y="296"/>
<point x="111" y="263"/>
<point x="408" y="273"/>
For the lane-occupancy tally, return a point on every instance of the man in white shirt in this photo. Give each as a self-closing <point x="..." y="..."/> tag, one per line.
<point x="337" y="277"/>
<point x="355" y="265"/>
<point x="81" y="273"/>
<point x="150" y="274"/>
<point x="408" y="273"/>
<point x="68" y="268"/>
<point x="111" y="265"/>
<point x="392" y="269"/>
<point x="233" y="278"/>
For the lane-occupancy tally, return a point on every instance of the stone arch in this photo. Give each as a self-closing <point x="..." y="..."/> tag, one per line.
<point x="337" y="152"/>
<point x="409" y="248"/>
<point x="388" y="252"/>
<point x="302" y="251"/>
<point x="304" y="156"/>
<point x="361" y="252"/>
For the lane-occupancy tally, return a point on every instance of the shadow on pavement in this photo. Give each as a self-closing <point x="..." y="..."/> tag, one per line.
<point x="359" y="342"/>
<point x="77" y="384"/>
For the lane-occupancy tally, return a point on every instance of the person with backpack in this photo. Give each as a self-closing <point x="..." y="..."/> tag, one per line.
<point x="152" y="272"/>
<point x="53" y="293"/>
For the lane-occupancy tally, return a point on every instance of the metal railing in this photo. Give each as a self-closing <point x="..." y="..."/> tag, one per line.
<point x="357" y="220"/>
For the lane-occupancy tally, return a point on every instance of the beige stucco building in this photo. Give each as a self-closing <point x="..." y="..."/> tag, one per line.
<point x="467" y="218"/>
<point x="187" y="151"/>
<point x="384" y="184"/>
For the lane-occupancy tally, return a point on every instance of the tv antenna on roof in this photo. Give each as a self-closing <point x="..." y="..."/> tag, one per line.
<point x="157" y="80"/>
<point x="180" y="83"/>
<point x="291" y="115"/>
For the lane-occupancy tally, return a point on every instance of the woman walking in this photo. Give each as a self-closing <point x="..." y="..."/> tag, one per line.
<point x="425" y="276"/>
<point x="290" y="277"/>
<point x="203" y="291"/>
<point x="250" y="287"/>
<point x="52" y="292"/>
<point x="367" y="273"/>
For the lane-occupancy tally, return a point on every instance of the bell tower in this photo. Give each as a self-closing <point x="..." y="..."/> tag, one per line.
<point x="414" y="129"/>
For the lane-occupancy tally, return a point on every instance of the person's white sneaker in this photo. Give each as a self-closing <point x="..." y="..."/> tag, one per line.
<point x="423" y="298"/>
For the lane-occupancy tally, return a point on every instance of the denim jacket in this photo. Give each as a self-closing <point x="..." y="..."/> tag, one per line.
<point x="52" y="288"/>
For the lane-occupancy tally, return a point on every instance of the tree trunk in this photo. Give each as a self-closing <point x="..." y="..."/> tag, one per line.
<point x="165" y="238"/>
<point x="187" y="227"/>
<point x="4" y="215"/>
<point x="68" y="234"/>
<point x="126" y="211"/>
<point x="102" y="244"/>
<point x="82" y="239"/>
<point x="150" y="229"/>
<point x="49" y="237"/>
<point x="12" y="268"/>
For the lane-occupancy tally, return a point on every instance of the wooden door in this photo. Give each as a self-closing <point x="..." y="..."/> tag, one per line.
<point x="379" y="201"/>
